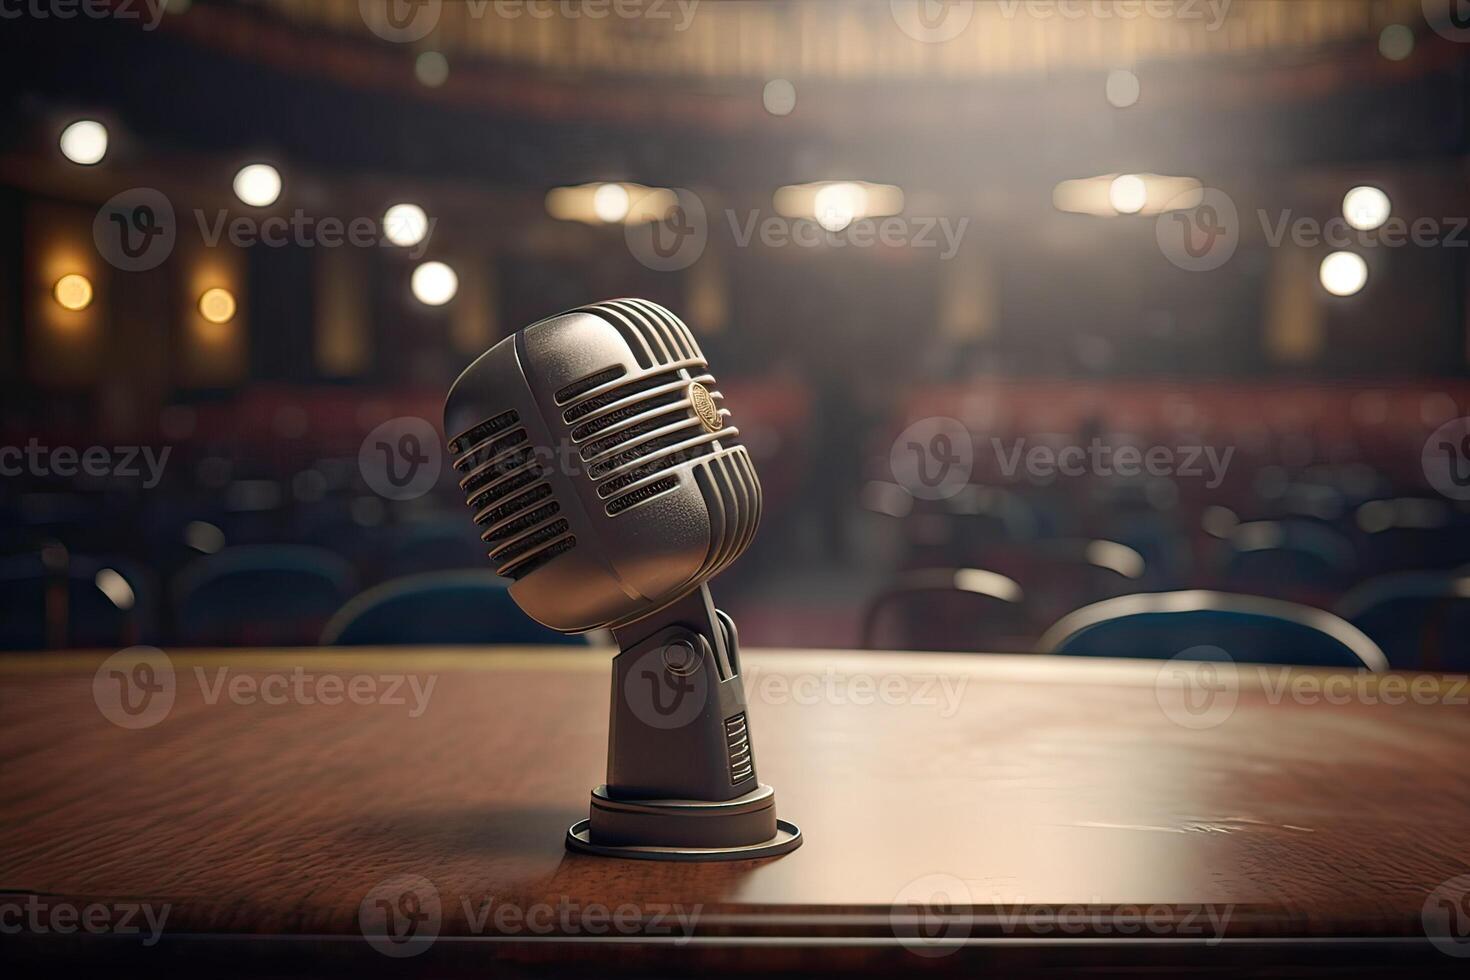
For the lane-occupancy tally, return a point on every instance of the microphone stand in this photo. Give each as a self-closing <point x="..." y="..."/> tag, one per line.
<point x="681" y="778"/>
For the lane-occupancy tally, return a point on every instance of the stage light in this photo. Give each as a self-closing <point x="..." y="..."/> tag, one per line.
<point x="434" y="283"/>
<point x="258" y="185"/>
<point x="610" y="203"/>
<point x="1127" y="194"/>
<point x="836" y="205"/>
<point x="779" y="97"/>
<point x="84" y="142"/>
<point x="1366" y="208"/>
<point x="405" y="224"/>
<point x="1396" y="42"/>
<point x="1343" y="273"/>
<point x="73" y="292"/>
<point x="601" y="203"/>
<point x="1104" y="194"/>
<point x="217" y="305"/>
<point x="1122" y="88"/>
<point x="431" y="69"/>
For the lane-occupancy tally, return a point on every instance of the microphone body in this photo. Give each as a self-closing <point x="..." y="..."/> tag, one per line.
<point x="609" y="483"/>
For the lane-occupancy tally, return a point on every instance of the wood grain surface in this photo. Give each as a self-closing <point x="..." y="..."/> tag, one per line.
<point x="948" y="803"/>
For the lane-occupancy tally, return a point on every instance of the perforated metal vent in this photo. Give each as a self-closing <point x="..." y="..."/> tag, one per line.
<point x="507" y="490"/>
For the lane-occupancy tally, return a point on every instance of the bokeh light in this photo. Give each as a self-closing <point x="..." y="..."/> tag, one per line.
<point x="84" y="142"/>
<point x="434" y="283"/>
<point x="258" y="185"/>
<point x="1343" y="273"/>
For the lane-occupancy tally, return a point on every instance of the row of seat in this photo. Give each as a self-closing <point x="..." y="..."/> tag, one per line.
<point x="253" y="595"/>
<point x="1406" y="621"/>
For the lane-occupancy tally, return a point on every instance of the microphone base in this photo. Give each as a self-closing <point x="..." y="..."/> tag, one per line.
<point x="684" y="830"/>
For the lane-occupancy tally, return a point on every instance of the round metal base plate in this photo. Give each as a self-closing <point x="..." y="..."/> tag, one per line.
<point x="787" y="839"/>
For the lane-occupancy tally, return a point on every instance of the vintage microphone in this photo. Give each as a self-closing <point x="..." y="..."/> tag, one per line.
<point x="607" y="480"/>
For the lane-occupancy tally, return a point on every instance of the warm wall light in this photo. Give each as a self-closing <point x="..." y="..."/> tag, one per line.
<point x="434" y="283"/>
<point x="610" y="203"/>
<point x="1128" y="194"/>
<point x="1109" y="195"/>
<point x="84" y="142"/>
<point x="217" y="305"/>
<point x="837" y="203"/>
<point x="604" y="203"/>
<point x="258" y="185"/>
<point x="73" y="292"/>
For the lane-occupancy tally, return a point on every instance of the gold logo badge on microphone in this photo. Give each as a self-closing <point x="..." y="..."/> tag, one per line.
<point x="704" y="407"/>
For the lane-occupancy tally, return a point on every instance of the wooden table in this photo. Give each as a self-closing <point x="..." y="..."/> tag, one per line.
<point x="960" y="813"/>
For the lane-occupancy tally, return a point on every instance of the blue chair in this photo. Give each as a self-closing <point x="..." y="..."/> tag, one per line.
<point x="1420" y="619"/>
<point x="260" y="595"/>
<point x="445" y="608"/>
<point x="1251" y="629"/>
<point x="433" y="546"/>
<point x="954" y="609"/>
<point x="63" y="600"/>
<point x="1295" y="557"/>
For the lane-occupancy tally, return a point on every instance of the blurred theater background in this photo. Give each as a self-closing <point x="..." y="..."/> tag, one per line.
<point x="875" y="216"/>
